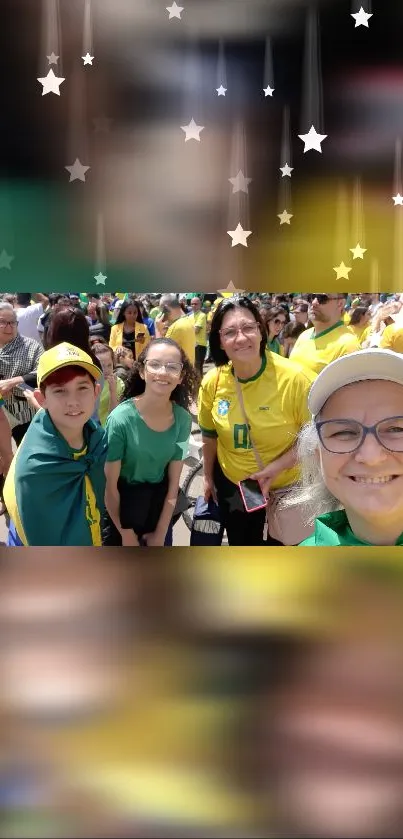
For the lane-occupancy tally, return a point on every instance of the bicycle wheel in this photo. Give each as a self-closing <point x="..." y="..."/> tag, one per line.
<point x="192" y="488"/>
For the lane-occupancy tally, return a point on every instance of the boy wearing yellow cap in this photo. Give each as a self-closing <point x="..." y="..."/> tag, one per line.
<point x="54" y="490"/>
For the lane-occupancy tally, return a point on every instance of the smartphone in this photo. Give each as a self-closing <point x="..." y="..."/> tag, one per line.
<point x="252" y="495"/>
<point x="23" y="386"/>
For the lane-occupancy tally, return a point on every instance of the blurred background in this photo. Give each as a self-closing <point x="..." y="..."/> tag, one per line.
<point x="154" y="210"/>
<point x="214" y="699"/>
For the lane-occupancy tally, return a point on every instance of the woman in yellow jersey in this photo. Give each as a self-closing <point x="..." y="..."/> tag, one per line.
<point x="360" y="323"/>
<point x="351" y="453"/>
<point x="129" y="330"/>
<point x="274" y="394"/>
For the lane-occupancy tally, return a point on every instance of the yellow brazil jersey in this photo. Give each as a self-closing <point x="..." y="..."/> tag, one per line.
<point x="92" y="513"/>
<point x="200" y="319"/>
<point x="392" y="338"/>
<point x="362" y="333"/>
<point x="183" y="332"/>
<point x="346" y="318"/>
<point x="276" y="406"/>
<point x="315" y="352"/>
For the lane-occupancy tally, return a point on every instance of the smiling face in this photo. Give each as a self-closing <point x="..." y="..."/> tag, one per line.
<point x="367" y="482"/>
<point x="240" y="335"/>
<point x="276" y="324"/>
<point x="162" y="370"/>
<point x="70" y="404"/>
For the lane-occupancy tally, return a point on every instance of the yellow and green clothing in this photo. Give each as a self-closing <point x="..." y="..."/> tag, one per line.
<point x="200" y="319"/>
<point x="182" y="331"/>
<point x="315" y="352"/>
<point x="362" y="333"/>
<point x="104" y="400"/>
<point x="392" y="338"/>
<point x="275" y="346"/>
<point x="276" y="407"/>
<point x="117" y="337"/>
<point x="55" y="494"/>
<point x="333" y="530"/>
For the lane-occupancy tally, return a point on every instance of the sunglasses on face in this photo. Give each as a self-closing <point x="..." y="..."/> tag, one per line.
<point x="326" y="298"/>
<point x="279" y="322"/>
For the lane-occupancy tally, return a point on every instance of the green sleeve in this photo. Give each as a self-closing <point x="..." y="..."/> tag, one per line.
<point x="182" y="444"/>
<point x="116" y="436"/>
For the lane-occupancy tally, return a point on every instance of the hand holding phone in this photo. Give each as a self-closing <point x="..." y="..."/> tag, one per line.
<point x="252" y="495"/>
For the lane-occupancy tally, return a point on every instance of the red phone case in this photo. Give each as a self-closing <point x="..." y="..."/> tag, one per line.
<point x="253" y="509"/>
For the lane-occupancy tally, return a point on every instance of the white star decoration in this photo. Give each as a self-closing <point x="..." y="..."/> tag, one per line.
<point x="268" y="91"/>
<point x="221" y="90"/>
<point x="286" y="170"/>
<point x="239" y="236"/>
<point x="51" y="83"/>
<point x="52" y="58"/>
<point x="5" y="260"/>
<point x="88" y="59"/>
<point x="358" y="252"/>
<point x="342" y="271"/>
<point x="285" y="218"/>
<point x="361" y="18"/>
<point x="174" y="11"/>
<point x="77" y="171"/>
<point x="192" y="130"/>
<point x="240" y="183"/>
<point x="100" y="278"/>
<point x="398" y="199"/>
<point x="312" y="140"/>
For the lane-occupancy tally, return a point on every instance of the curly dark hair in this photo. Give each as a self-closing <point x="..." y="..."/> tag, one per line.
<point x="125" y="305"/>
<point x="219" y="355"/>
<point x="184" y="393"/>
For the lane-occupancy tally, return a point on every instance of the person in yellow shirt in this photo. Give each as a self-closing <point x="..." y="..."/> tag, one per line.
<point x="274" y="392"/>
<point x="392" y="337"/>
<point x="180" y="326"/>
<point x="129" y="330"/>
<point x="360" y="323"/>
<point x="200" y="327"/>
<point x="328" y="338"/>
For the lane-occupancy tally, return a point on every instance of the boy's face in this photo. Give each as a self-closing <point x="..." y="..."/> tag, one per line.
<point x="72" y="404"/>
<point x="105" y="359"/>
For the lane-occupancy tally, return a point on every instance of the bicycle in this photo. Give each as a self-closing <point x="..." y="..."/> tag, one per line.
<point x="195" y="476"/>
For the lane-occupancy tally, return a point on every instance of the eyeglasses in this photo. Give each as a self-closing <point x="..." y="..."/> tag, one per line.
<point x="279" y="322"/>
<point x="347" y="436"/>
<point x="173" y="368"/>
<point x="249" y="330"/>
<point x="326" y="298"/>
<point x="4" y="323"/>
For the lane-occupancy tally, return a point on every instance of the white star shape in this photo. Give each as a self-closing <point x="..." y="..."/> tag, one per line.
<point x="358" y="252"/>
<point x="221" y="90"/>
<point x="100" y="278"/>
<point x="361" y="18"/>
<point x="312" y="140"/>
<point x="5" y="260"/>
<point x="286" y="170"/>
<point x="239" y="236"/>
<point x="231" y="288"/>
<point x="240" y="183"/>
<point x="88" y="59"/>
<point x="342" y="271"/>
<point x="52" y="58"/>
<point x="268" y="91"/>
<point x="192" y="130"/>
<point x="51" y="83"/>
<point x="77" y="171"/>
<point x="398" y="199"/>
<point x="174" y="11"/>
<point x="285" y="218"/>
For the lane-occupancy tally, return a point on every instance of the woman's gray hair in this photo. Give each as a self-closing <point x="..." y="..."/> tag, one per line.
<point x="5" y="305"/>
<point x="311" y="493"/>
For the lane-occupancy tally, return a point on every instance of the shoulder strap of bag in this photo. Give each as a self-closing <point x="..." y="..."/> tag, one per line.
<point x="258" y="458"/>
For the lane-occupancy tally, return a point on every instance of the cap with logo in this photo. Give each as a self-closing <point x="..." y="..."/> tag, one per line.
<point x="358" y="366"/>
<point x="65" y="355"/>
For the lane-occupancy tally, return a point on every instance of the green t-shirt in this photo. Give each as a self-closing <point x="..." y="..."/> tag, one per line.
<point x="145" y="454"/>
<point x="155" y="312"/>
<point x="333" y="530"/>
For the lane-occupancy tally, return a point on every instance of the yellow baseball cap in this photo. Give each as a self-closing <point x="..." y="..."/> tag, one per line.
<point x="65" y="355"/>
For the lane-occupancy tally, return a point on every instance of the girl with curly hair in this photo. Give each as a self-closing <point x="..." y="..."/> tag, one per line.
<point x="148" y="436"/>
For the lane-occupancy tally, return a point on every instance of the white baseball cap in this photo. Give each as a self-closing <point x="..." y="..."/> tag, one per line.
<point x="356" y="367"/>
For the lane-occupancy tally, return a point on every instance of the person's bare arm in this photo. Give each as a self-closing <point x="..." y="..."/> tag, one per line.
<point x="6" y="451"/>
<point x="112" y="502"/>
<point x="209" y="459"/>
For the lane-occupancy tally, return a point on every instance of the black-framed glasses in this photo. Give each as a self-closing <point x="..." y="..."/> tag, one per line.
<point x="344" y="436"/>
<point x="326" y="298"/>
<point x="4" y="323"/>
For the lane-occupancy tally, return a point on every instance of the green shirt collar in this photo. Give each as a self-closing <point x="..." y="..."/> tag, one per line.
<point x="333" y="529"/>
<point x="256" y="376"/>
<point x="326" y="331"/>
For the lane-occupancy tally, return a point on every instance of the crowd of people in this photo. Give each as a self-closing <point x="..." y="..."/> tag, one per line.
<point x="97" y="394"/>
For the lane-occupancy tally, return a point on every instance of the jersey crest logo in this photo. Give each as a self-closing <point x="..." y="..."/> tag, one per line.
<point x="223" y="407"/>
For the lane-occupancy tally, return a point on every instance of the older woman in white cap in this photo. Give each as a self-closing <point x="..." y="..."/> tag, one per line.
<point x="352" y="452"/>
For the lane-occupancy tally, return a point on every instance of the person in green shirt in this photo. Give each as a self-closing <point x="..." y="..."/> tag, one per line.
<point x="275" y="320"/>
<point x="148" y="436"/>
<point x="351" y="454"/>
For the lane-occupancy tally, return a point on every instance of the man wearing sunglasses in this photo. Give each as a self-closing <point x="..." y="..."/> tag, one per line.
<point x="329" y="338"/>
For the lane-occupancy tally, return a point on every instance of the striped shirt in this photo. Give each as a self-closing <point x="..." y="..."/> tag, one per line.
<point x="17" y="358"/>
